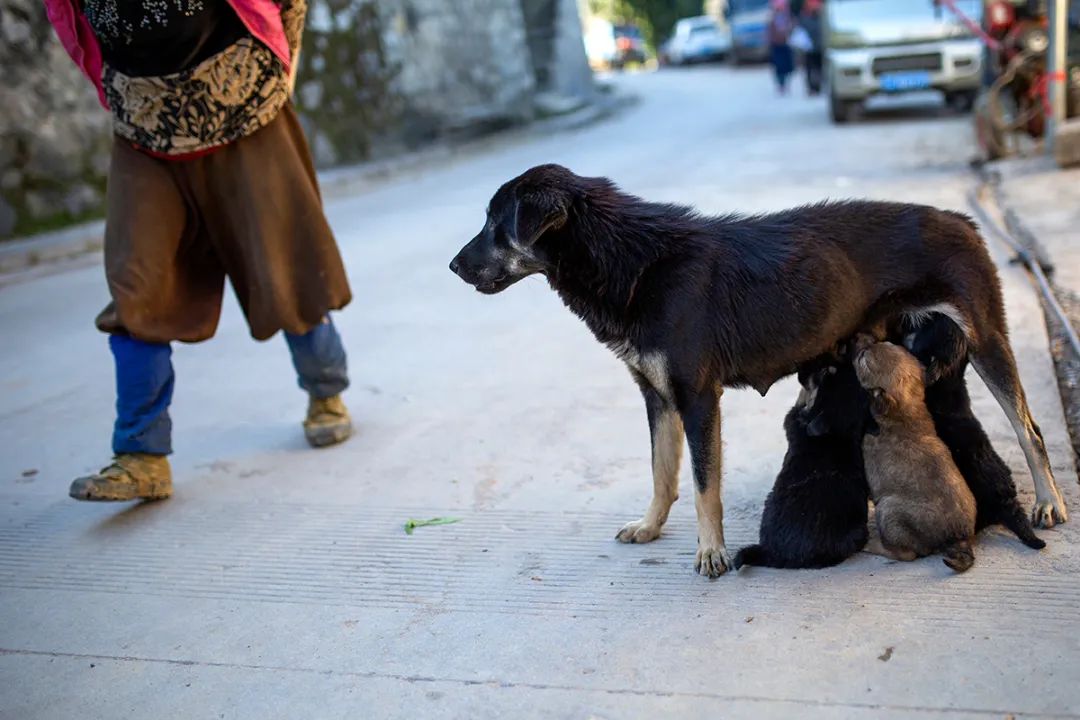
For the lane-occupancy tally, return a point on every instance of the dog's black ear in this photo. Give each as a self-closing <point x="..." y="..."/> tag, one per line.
<point x="537" y="212"/>
<point x="818" y="426"/>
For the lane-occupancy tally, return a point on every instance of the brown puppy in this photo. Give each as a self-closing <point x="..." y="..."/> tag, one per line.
<point x="922" y="504"/>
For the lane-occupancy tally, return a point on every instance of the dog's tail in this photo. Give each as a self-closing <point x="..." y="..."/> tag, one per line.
<point x="752" y="555"/>
<point x="959" y="556"/>
<point x="1014" y="518"/>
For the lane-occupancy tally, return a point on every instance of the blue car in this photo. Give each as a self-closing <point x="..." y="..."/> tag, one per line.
<point x="748" y="19"/>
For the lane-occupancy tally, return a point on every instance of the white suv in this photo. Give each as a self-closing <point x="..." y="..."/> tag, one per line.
<point x="897" y="46"/>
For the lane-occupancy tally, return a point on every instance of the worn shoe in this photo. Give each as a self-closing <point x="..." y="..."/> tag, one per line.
<point x="130" y="476"/>
<point x="327" y="422"/>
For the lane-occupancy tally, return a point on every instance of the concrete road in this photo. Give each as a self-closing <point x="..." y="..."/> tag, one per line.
<point x="278" y="581"/>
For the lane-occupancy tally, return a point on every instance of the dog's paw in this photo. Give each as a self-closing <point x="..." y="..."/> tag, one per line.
<point x="712" y="562"/>
<point x="639" y="531"/>
<point x="1048" y="513"/>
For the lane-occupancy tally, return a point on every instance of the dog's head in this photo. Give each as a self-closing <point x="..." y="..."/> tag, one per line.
<point x="523" y="211"/>
<point x="939" y="344"/>
<point x="832" y="401"/>
<point x="892" y="376"/>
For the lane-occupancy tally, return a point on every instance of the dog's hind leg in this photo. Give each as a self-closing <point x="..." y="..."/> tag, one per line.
<point x="666" y="428"/>
<point x="701" y="417"/>
<point x="874" y="546"/>
<point x="996" y="366"/>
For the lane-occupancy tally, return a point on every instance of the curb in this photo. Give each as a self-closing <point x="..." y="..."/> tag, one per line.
<point x="78" y="240"/>
<point x="52" y="247"/>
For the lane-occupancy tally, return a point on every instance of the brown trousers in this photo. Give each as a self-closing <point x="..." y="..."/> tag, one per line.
<point x="250" y="211"/>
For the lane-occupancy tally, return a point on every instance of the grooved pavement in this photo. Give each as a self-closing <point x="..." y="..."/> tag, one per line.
<point x="279" y="583"/>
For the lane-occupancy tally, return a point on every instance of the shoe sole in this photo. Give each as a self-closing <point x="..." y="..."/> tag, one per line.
<point x="160" y="495"/>
<point x="325" y="437"/>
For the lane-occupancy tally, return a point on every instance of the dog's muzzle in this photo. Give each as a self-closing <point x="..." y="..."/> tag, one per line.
<point x="486" y="279"/>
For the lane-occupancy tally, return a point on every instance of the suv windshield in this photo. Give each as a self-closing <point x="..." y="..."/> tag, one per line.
<point x="855" y="11"/>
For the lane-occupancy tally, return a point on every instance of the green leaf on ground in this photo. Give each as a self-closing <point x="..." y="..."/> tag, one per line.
<point x="412" y="524"/>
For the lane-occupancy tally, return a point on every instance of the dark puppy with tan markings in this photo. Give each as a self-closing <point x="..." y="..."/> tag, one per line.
<point x="695" y="304"/>
<point x="921" y="503"/>
<point x="815" y="515"/>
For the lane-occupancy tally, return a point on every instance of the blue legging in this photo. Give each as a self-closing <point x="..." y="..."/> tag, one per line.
<point x="145" y="380"/>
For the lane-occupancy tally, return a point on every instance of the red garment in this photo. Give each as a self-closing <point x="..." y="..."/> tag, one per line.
<point x="262" y="18"/>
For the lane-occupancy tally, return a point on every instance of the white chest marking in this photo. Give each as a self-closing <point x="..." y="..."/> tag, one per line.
<point x="651" y="365"/>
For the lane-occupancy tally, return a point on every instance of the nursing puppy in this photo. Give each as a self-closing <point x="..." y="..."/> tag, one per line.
<point x="921" y="503"/>
<point x="695" y="304"/>
<point x="815" y="515"/>
<point x="940" y="346"/>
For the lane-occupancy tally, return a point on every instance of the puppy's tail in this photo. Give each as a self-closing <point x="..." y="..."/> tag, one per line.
<point x="959" y="556"/>
<point x="1017" y="520"/>
<point x="752" y="555"/>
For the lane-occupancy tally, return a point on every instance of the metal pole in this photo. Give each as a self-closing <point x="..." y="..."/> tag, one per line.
<point x="1059" y="35"/>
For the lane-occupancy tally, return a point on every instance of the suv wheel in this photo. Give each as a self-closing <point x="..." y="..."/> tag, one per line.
<point x="961" y="102"/>
<point x="841" y="110"/>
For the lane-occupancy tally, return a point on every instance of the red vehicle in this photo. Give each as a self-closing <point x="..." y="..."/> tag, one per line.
<point x="1016" y="100"/>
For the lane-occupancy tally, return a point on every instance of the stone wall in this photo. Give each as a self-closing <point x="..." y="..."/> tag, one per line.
<point x="463" y="63"/>
<point x="54" y="140"/>
<point x="379" y="76"/>
<point x="376" y="77"/>
<point x="560" y="66"/>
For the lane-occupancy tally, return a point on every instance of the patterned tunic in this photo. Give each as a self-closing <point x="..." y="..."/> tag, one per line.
<point x="184" y="77"/>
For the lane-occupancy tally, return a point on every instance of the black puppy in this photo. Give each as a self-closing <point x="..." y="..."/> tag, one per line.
<point x="816" y="514"/>
<point x="941" y="347"/>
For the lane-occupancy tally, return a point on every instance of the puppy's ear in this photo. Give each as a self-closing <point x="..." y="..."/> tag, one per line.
<point x="537" y="212"/>
<point x="818" y="426"/>
<point x="881" y="403"/>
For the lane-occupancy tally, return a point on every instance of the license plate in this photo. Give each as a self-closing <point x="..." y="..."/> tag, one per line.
<point x="900" y="81"/>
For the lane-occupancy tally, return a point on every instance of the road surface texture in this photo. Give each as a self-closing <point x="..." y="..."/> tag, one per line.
<point x="278" y="582"/>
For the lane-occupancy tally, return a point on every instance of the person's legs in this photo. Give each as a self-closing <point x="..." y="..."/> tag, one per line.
<point x="321" y="370"/>
<point x="142" y="433"/>
<point x="165" y="284"/>
<point x="813" y="60"/>
<point x="144" y="389"/>
<point x="319" y="359"/>
<point x="260" y="198"/>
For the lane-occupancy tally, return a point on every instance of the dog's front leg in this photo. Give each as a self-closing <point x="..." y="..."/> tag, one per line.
<point x="666" y="429"/>
<point x="701" y="417"/>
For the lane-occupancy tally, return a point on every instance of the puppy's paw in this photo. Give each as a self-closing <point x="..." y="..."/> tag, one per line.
<point x="1048" y="513"/>
<point x="639" y="531"/>
<point x="712" y="561"/>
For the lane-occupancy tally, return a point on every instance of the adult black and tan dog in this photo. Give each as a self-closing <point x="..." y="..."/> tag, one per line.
<point x="694" y="304"/>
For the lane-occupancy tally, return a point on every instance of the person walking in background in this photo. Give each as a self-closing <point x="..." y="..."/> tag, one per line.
<point x="210" y="177"/>
<point x="813" y="56"/>
<point x="779" y="32"/>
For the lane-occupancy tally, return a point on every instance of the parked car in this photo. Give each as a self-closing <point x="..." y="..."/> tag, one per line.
<point x="696" y="39"/>
<point x="899" y="46"/>
<point x="611" y="47"/>
<point x="747" y="20"/>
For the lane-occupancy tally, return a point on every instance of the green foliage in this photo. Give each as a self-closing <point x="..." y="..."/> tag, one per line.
<point x="656" y="18"/>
